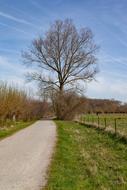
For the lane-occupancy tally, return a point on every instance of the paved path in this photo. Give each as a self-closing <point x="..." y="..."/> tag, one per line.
<point x="25" y="156"/>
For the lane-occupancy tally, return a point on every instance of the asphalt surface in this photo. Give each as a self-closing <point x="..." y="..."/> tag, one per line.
<point x="25" y="157"/>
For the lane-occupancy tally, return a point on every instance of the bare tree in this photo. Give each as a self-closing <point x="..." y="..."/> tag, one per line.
<point x="62" y="57"/>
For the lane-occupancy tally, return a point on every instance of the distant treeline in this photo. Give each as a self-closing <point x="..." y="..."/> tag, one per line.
<point x="104" y="106"/>
<point x="17" y="104"/>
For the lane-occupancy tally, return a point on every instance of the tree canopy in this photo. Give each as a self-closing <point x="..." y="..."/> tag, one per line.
<point x="62" y="57"/>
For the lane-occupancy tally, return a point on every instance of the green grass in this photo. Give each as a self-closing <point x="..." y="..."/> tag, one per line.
<point x="86" y="159"/>
<point x="121" y="121"/>
<point x="16" y="127"/>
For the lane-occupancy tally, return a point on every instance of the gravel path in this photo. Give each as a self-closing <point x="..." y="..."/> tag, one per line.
<point x="25" y="156"/>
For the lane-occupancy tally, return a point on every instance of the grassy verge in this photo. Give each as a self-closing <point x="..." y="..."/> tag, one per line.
<point x="10" y="130"/>
<point x="86" y="159"/>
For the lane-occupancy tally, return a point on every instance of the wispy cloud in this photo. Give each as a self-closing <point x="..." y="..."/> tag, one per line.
<point x="106" y="87"/>
<point x="12" y="51"/>
<point x="7" y="64"/>
<point x="114" y="75"/>
<point x="16" y="19"/>
<point x="15" y="77"/>
<point x="14" y="28"/>
<point x="105" y="59"/>
<point x="36" y="4"/>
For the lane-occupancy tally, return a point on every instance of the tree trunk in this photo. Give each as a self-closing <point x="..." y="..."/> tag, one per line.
<point x="60" y="103"/>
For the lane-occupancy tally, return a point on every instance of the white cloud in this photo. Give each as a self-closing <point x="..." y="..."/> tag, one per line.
<point x="14" y="75"/>
<point x="14" y="18"/>
<point x="14" y="28"/>
<point x="107" y="87"/>
<point x="12" y="51"/>
<point x="16" y="69"/>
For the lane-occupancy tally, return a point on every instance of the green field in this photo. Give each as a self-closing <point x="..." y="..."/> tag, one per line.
<point x="108" y="121"/>
<point x="87" y="159"/>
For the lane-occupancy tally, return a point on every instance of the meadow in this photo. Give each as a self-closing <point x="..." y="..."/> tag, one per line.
<point x="116" y="123"/>
<point x="86" y="158"/>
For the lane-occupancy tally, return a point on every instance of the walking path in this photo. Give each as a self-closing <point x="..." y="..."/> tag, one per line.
<point x="25" y="156"/>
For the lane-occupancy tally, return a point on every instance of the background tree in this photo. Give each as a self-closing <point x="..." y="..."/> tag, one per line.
<point x="63" y="57"/>
<point x="17" y="102"/>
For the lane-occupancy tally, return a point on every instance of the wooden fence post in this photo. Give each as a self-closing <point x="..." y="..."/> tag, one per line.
<point x="93" y="120"/>
<point x="115" y="126"/>
<point x="84" y="119"/>
<point x="88" y="119"/>
<point x="105" y="121"/>
<point x="98" y="121"/>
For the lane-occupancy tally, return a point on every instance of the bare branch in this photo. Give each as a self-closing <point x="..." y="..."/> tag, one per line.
<point x="66" y="54"/>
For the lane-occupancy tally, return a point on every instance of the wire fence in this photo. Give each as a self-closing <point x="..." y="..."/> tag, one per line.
<point x="116" y="123"/>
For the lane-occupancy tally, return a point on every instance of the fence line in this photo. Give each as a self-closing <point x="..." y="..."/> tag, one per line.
<point x="114" y="124"/>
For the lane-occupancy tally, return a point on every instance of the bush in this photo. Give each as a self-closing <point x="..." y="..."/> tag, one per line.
<point x="67" y="105"/>
<point x="17" y="104"/>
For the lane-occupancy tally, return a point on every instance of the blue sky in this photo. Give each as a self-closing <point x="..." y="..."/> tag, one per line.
<point x="22" y="21"/>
